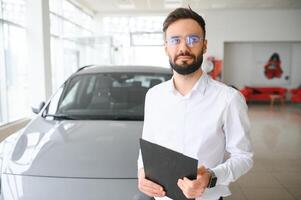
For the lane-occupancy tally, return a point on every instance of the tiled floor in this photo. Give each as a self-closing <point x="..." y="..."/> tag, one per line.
<point x="276" y="137"/>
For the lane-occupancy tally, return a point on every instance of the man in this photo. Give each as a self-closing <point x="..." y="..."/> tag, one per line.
<point x="196" y="115"/>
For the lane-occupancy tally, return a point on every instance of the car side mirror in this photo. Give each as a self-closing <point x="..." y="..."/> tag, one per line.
<point x="36" y="110"/>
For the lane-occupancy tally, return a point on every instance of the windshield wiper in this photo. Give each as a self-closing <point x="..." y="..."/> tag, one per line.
<point x="128" y="118"/>
<point x="61" y="117"/>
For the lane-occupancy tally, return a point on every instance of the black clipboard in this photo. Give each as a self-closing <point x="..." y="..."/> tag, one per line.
<point x="165" y="166"/>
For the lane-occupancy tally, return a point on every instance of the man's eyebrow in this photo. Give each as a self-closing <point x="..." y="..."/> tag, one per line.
<point x="175" y="36"/>
<point x="194" y="35"/>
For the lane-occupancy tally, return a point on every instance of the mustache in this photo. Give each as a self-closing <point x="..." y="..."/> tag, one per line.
<point x="186" y="53"/>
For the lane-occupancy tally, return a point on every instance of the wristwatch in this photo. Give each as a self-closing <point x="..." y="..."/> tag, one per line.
<point x="212" y="179"/>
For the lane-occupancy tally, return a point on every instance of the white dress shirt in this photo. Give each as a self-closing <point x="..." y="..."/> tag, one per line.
<point x="207" y="124"/>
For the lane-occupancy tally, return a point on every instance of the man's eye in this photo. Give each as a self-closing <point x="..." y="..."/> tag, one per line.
<point x="174" y="41"/>
<point x="193" y="39"/>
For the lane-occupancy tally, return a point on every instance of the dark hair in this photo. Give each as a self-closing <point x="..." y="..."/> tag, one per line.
<point x="184" y="13"/>
<point x="275" y="56"/>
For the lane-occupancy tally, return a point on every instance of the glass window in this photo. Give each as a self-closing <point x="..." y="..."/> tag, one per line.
<point x="55" y="6"/>
<point x="13" y="64"/>
<point x="147" y="39"/>
<point x="133" y="24"/>
<point x="56" y="97"/>
<point x="135" y="39"/>
<point x="56" y="26"/>
<point x="70" y="42"/>
<point x="67" y="11"/>
<point x="15" y="51"/>
<point x="71" y="95"/>
<point x="14" y="11"/>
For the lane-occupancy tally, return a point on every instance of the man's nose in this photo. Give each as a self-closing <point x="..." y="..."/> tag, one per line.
<point x="183" y="47"/>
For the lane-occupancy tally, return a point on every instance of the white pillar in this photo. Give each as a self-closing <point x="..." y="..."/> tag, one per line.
<point x="3" y="87"/>
<point x="38" y="32"/>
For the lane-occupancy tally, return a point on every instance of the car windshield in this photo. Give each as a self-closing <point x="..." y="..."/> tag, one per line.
<point x="106" y="96"/>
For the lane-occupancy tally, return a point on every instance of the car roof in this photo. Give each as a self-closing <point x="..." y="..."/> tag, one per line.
<point x="90" y="69"/>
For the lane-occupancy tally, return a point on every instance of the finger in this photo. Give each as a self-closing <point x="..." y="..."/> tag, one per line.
<point x="188" y="192"/>
<point x="181" y="185"/>
<point x="151" y="191"/>
<point x="187" y="182"/>
<point x="151" y="184"/>
<point x="184" y="186"/>
<point x="152" y="194"/>
<point x="193" y="184"/>
<point x="192" y="188"/>
<point x="151" y="187"/>
<point x="203" y="179"/>
<point x="202" y="170"/>
<point x="193" y="193"/>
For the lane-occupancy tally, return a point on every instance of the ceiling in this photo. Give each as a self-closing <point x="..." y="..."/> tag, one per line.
<point x="154" y="6"/>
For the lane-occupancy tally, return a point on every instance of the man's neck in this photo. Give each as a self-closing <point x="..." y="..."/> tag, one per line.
<point x="185" y="83"/>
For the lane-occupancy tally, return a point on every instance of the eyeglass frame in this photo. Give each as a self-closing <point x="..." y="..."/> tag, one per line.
<point x="188" y="40"/>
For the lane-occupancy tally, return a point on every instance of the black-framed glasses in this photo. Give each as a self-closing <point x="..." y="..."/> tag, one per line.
<point x="190" y="40"/>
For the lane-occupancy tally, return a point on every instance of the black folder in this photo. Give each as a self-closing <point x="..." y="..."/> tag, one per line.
<point x="164" y="167"/>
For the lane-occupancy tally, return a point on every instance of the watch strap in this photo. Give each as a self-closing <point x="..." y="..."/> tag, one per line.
<point x="212" y="179"/>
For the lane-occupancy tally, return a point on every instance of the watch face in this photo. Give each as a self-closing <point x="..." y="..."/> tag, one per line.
<point x="213" y="182"/>
<point x="213" y="179"/>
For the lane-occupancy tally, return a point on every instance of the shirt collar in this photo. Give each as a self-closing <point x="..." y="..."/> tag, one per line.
<point x="200" y="86"/>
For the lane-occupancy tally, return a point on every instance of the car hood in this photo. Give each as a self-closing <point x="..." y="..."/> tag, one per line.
<point x="76" y="149"/>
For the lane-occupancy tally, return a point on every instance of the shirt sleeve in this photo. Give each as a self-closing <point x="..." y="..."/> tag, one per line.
<point x="236" y="127"/>
<point x="147" y="125"/>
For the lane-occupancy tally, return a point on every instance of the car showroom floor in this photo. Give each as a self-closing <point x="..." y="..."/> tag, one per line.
<point x="276" y="137"/>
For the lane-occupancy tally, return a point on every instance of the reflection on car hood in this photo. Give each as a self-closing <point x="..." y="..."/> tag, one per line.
<point x="87" y="149"/>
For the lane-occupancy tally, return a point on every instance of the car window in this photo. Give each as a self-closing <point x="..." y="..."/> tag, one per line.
<point x="52" y="108"/>
<point x="108" y="96"/>
<point x="71" y="95"/>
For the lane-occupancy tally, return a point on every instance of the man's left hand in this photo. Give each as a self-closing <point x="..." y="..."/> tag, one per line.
<point x="195" y="188"/>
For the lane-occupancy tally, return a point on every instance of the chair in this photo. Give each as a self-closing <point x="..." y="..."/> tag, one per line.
<point x="136" y="94"/>
<point x="154" y="82"/>
<point x="296" y="95"/>
<point x="102" y="93"/>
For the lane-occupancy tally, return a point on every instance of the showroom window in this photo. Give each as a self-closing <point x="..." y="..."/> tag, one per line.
<point x="72" y="44"/>
<point x="136" y="38"/>
<point x="13" y="61"/>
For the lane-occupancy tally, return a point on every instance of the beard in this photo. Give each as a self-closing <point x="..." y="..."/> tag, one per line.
<point x="184" y="68"/>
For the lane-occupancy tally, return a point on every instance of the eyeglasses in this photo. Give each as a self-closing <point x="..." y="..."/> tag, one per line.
<point x="190" y="40"/>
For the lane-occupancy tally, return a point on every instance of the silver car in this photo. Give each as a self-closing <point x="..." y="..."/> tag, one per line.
<point x="83" y="144"/>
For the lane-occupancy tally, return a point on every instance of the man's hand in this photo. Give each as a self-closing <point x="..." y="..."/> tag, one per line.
<point x="195" y="188"/>
<point x="148" y="187"/>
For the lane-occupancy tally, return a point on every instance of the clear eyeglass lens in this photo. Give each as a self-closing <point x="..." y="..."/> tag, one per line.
<point x="190" y="40"/>
<point x="174" y="40"/>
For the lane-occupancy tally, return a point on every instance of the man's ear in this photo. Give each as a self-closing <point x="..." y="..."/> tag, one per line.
<point x="165" y="48"/>
<point x="205" y="47"/>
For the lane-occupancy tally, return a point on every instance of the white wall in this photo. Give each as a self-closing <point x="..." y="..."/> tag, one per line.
<point x="251" y="26"/>
<point x="247" y="28"/>
<point x="296" y="65"/>
<point x="241" y="68"/>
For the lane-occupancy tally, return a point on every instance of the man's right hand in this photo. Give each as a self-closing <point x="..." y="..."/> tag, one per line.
<point x="148" y="187"/>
